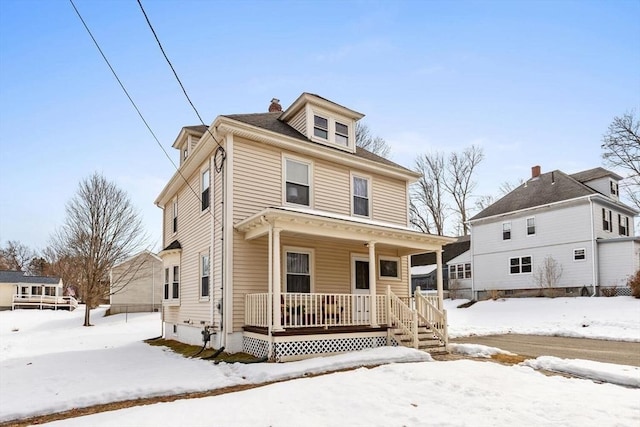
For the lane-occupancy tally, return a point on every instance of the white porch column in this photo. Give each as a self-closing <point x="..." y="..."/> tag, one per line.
<point x="439" y="277"/>
<point x="277" y="316"/>
<point x="373" y="315"/>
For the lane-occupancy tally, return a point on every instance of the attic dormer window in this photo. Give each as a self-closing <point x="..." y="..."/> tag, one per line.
<point x="614" y="188"/>
<point x="342" y="134"/>
<point x="320" y="127"/>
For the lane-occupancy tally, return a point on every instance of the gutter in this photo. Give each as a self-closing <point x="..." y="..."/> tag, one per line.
<point x="594" y="251"/>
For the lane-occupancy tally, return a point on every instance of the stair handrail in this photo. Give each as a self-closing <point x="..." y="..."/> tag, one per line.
<point x="435" y="318"/>
<point x="402" y="317"/>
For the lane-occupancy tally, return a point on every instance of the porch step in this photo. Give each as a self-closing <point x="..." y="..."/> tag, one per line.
<point x="427" y="341"/>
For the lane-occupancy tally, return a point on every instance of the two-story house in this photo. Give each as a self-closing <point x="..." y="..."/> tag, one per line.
<point x="577" y="221"/>
<point x="283" y="239"/>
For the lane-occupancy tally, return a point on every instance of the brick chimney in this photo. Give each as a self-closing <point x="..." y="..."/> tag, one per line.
<point x="275" y="106"/>
<point x="535" y="172"/>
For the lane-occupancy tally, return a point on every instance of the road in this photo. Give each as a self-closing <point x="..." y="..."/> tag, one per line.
<point x="619" y="352"/>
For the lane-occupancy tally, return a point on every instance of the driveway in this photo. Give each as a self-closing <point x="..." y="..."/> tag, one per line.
<point x="619" y="352"/>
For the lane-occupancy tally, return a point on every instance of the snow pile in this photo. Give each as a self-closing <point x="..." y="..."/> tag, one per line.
<point x="616" y="318"/>
<point x="607" y="372"/>
<point x="477" y="350"/>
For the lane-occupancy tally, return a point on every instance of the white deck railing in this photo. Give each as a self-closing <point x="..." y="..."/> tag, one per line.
<point x="428" y="311"/>
<point x="44" y="301"/>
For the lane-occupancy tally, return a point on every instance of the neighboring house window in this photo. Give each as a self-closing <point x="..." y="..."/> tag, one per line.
<point x="467" y="270"/>
<point x="623" y="225"/>
<point x="460" y="271"/>
<point x="297" y="182"/>
<point x="342" y="134"/>
<point x="579" y="254"/>
<point x="166" y="283"/>
<point x="360" y="196"/>
<point x="204" y="275"/>
<point x="389" y="267"/>
<point x="506" y="231"/>
<point x="520" y="265"/>
<point x="36" y="290"/>
<point x="606" y="220"/>
<point x="175" y="216"/>
<point x="175" y="290"/>
<point x="614" y="188"/>
<point x="531" y="226"/>
<point x="320" y="127"/>
<point x="298" y="272"/>
<point x="205" y="189"/>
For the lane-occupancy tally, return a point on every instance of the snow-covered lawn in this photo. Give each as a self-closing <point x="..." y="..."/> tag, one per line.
<point x="49" y="363"/>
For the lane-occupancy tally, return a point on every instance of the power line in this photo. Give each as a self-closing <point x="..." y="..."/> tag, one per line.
<point x="136" y="107"/>
<point x="178" y="78"/>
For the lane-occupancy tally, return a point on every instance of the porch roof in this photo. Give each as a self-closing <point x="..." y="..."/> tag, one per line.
<point x="327" y="224"/>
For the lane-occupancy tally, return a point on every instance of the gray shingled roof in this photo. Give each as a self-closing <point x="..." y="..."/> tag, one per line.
<point x="197" y="128"/>
<point x="548" y="188"/>
<point x="271" y="122"/>
<point x="595" y="173"/>
<point x="10" y="276"/>
<point x="173" y="245"/>
<point x="449" y="252"/>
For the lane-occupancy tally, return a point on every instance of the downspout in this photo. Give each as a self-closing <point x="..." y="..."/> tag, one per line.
<point x="473" y="265"/>
<point x="594" y="251"/>
<point x="212" y="247"/>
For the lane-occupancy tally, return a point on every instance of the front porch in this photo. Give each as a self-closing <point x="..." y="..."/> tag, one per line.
<point x="317" y="324"/>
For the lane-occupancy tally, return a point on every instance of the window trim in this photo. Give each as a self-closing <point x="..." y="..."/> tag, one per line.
<point x="298" y="250"/>
<point x="204" y="190"/>
<point x="507" y="223"/>
<point x="460" y="268"/>
<point x="584" y="255"/>
<point x="520" y="272"/>
<point x="369" y="180"/>
<point x="534" y="225"/>
<point x="309" y="163"/>
<point x="332" y="118"/>
<point x="165" y="290"/>
<point x="327" y="129"/>
<point x="169" y="283"/>
<point x="204" y="255"/>
<point x="336" y="134"/>
<point x="398" y="277"/>
<point x="174" y="220"/>
<point x="623" y="230"/>
<point x="607" y="220"/>
<point x="175" y="284"/>
<point x="614" y="188"/>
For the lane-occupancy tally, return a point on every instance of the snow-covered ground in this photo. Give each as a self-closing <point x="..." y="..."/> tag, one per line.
<point x="49" y="363"/>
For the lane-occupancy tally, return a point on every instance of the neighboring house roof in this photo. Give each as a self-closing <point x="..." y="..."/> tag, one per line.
<point x="550" y="187"/>
<point x="173" y="245"/>
<point x="272" y="122"/>
<point x="595" y="173"/>
<point x="450" y="251"/>
<point x="423" y="270"/>
<point x="11" y="276"/>
<point x="197" y="128"/>
<point x="141" y="253"/>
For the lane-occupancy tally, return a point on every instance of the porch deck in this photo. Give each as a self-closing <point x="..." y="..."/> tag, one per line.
<point x="44" y="302"/>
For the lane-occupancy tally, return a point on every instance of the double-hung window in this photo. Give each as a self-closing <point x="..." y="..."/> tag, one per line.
<point x="607" y="224"/>
<point x="175" y="216"/>
<point x="204" y="275"/>
<point x="166" y="283"/>
<point x="361" y="196"/>
<point x="298" y="271"/>
<point x="614" y="188"/>
<point x="520" y="265"/>
<point x="531" y="226"/>
<point x="175" y="289"/>
<point x="623" y="225"/>
<point x="506" y="231"/>
<point x="205" y="184"/>
<point x="342" y="134"/>
<point x="298" y="182"/>
<point x="321" y="127"/>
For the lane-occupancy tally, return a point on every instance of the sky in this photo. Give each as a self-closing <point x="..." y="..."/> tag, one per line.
<point x="530" y="82"/>
<point x="111" y="363"/>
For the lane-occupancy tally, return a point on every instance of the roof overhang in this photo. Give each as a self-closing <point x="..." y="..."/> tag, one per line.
<point x="328" y="225"/>
<point x="309" y="98"/>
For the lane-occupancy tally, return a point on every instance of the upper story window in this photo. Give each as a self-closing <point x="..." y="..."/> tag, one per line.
<point x="175" y="216"/>
<point x="520" y="265"/>
<point x="506" y="231"/>
<point x="361" y="199"/>
<point x="614" y="188"/>
<point x="623" y="225"/>
<point x="320" y="127"/>
<point x="205" y="184"/>
<point x="342" y="134"/>
<point x="298" y="182"/>
<point x="607" y="224"/>
<point x="204" y="275"/>
<point x="531" y="226"/>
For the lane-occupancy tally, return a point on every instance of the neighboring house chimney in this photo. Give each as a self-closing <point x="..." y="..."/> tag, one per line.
<point x="275" y="106"/>
<point x="535" y="172"/>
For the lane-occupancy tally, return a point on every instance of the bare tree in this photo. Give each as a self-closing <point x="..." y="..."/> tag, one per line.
<point x="375" y="144"/>
<point x="428" y="204"/>
<point x="101" y="229"/>
<point x="547" y="275"/>
<point x="483" y="202"/>
<point x="621" y="145"/>
<point x="459" y="182"/>
<point x="16" y="256"/>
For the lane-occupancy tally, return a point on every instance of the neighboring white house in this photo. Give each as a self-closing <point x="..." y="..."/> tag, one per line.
<point x="18" y="290"/>
<point x="136" y="284"/>
<point x="576" y="220"/>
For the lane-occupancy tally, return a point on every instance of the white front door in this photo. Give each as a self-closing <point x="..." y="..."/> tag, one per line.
<point x="360" y="288"/>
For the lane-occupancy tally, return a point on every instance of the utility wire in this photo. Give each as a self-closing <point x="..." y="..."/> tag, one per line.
<point x="136" y="107"/>
<point x="178" y="79"/>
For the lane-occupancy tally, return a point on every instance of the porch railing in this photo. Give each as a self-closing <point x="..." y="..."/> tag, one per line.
<point x="302" y="310"/>
<point x="44" y="301"/>
<point x="402" y="317"/>
<point x="427" y="309"/>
